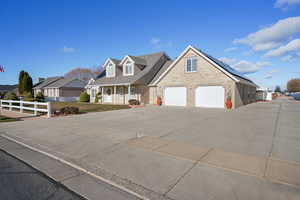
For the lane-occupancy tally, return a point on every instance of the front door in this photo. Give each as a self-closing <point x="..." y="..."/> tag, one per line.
<point x="108" y="95"/>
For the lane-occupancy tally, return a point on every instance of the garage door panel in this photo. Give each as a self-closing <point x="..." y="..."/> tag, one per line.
<point x="175" y="96"/>
<point x="210" y="96"/>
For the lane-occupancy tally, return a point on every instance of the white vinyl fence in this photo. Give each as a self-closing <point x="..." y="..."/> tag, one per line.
<point x="23" y="105"/>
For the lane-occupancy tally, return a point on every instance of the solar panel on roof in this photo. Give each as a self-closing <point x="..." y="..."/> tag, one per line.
<point x="227" y="67"/>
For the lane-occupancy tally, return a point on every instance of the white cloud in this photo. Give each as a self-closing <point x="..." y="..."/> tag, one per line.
<point x="68" y="49"/>
<point x="230" y="49"/>
<point x="268" y="76"/>
<point x="291" y="57"/>
<point x="249" y="67"/>
<point x="285" y="4"/>
<point x="155" y="41"/>
<point x="244" y="66"/>
<point x="158" y="43"/>
<point x="292" y="46"/>
<point x="270" y="73"/>
<point x="229" y="61"/>
<point x="272" y="36"/>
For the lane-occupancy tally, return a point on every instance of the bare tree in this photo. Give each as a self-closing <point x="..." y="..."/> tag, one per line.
<point x="80" y="73"/>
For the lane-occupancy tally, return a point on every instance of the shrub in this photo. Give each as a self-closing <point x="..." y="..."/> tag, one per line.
<point x="84" y="97"/>
<point x="40" y="97"/>
<point x="10" y="96"/>
<point x="28" y="96"/>
<point x="133" y="102"/>
<point x="2" y="94"/>
<point x="69" y="110"/>
<point x="98" y="97"/>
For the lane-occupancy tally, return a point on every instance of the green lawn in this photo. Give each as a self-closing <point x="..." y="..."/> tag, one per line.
<point x="88" y="107"/>
<point x="7" y="119"/>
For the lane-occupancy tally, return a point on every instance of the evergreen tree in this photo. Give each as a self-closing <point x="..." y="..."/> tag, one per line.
<point x="25" y="83"/>
<point x="277" y="89"/>
<point x="21" y="86"/>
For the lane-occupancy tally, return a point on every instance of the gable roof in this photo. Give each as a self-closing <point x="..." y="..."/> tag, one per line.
<point x="162" y="69"/>
<point x="113" y="60"/>
<point x="226" y="69"/>
<point x="63" y="82"/>
<point x="47" y="82"/>
<point x="136" y="59"/>
<point x="142" y="77"/>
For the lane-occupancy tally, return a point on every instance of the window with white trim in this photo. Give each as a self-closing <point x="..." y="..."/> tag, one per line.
<point x="110" y="70"/>
<point x="128" y="68"/>
<point x="191" y="64"/>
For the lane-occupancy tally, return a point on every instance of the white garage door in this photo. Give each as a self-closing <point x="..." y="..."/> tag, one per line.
<point x="175" y="96"/>
<point x="210" y="97"/>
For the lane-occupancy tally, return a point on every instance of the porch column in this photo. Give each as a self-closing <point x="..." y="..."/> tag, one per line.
<point x="115" y="94"/>
<point x="129" y="92"/>
<point x="102" y="94"/>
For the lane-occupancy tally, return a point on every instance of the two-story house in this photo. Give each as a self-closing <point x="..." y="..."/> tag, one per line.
<point x="194" y="78"/>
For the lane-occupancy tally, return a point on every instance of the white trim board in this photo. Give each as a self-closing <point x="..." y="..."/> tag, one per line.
<point x="190" y="47"/>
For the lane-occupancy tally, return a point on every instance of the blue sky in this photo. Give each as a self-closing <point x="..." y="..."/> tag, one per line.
<point x="48" y="38"/>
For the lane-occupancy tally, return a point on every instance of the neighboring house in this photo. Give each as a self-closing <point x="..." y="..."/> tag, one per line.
<point x="264" y="94"/>
<point x="193" y="79"/>
<point x="43" y="83"/>
<point x="61" y="89"/>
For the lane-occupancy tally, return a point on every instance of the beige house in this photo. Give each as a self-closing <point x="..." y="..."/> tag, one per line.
<point x="60" y="88"/>
<point x="193" y="79"/>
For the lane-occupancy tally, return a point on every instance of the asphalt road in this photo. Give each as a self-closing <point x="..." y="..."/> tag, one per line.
<point x="19" y="181"/>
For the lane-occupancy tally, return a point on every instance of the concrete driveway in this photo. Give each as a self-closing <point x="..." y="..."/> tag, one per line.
<point x="188" y="153"/>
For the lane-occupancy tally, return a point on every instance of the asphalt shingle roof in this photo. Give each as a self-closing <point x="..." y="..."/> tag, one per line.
<point x="47" y="82"/>
<point x="115" y="61"/>
<point x="162" y="70"/>
<point x="142" y="77"/>
<point x="61" y="83"/>
<point x="155" y="72"/>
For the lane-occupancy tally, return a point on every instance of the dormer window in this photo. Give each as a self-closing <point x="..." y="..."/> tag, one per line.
<point x="128" y="68"/>
<point x="110" y="70"/>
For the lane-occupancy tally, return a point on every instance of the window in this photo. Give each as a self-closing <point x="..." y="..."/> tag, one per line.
<point x="110" y="70"/>
<point x="191" y="65"/>
<point x="128" y="68"/>
<point x="132" y="90"/>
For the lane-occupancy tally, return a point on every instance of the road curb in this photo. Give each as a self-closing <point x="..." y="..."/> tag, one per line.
<point x="122" y="188"/>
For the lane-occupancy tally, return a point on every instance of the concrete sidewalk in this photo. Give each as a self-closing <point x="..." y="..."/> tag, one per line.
<point x="186" y="154"/>
<point x="20" y="115"/>
<point x="76" y="180"/>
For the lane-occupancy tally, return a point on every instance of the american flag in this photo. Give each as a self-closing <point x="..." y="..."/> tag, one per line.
<point x="1" y="68"/>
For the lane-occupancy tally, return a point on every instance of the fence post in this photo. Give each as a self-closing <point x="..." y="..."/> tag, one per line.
<point x="10" y="105"/>
<point x="49" y="109"/>
<point x="21" y="106"/>
<point x="35" y="107"/>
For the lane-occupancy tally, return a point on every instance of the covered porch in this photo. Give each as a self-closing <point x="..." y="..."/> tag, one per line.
<point x="116" y="94"/>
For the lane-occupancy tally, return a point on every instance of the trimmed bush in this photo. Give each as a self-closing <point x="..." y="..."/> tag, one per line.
<point x="98" y="97"/>
<point x="40" y="97"/>
<point x="84" y="97"/>
<point x="69" y="110"/>
<point x="28" y="97"/>
<point x="133" y="102"/>
<point x="10" y="96"/>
